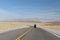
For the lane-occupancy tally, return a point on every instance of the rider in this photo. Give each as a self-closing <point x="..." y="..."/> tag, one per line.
<point x="34" y="25"/>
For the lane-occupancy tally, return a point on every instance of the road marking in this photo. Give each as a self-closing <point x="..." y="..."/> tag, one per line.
<point x="20" y="36"/>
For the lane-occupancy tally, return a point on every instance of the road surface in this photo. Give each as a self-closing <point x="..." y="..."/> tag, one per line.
<point x="35" y="34"/>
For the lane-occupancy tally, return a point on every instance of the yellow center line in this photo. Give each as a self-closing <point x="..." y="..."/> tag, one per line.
<point x="20" y="36"/>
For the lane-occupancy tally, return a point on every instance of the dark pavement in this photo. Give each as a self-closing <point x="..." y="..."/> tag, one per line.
<point x="35" y="34"/>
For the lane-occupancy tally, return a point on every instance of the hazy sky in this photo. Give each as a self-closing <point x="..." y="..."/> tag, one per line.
<point x="21" y="9"/>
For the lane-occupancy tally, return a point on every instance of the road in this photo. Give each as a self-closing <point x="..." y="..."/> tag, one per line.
<point x="35" y="34"/>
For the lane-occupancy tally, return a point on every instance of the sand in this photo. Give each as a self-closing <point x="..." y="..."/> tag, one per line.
<point x="10" y="25"/>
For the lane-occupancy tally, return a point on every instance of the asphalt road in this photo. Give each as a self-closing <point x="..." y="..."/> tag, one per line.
<point x="35" y="34"/>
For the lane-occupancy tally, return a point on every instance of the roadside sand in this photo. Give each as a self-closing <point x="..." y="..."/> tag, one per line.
<point x="53" y="26"/>
<point x="6" y="26"/>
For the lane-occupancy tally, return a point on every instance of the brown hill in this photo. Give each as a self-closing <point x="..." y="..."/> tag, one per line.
<point x="53" y="23"/>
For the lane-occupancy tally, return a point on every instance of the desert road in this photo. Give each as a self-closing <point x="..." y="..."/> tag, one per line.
<point x="35" y="34"/>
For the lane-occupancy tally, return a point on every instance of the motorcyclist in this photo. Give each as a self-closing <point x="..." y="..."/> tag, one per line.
<point x="34" y="25"/>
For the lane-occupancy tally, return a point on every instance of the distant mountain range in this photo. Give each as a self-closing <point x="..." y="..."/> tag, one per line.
<point x="34" y="20"/>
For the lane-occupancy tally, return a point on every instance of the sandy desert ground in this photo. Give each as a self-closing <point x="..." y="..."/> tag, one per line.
<point x="8" y="25"/>
<point x="5" y="25"/>
<point x="52" y="25"/>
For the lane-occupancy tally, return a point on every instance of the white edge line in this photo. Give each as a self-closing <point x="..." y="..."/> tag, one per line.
<point x="50" y="31"/>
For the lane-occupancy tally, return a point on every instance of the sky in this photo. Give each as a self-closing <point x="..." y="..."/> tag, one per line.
<point x="25" y="9"/>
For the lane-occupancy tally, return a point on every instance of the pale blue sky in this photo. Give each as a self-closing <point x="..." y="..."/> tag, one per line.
<point x="23" y="9"/>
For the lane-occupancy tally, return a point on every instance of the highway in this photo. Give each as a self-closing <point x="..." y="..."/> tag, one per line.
<point x="35" y="34"/>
